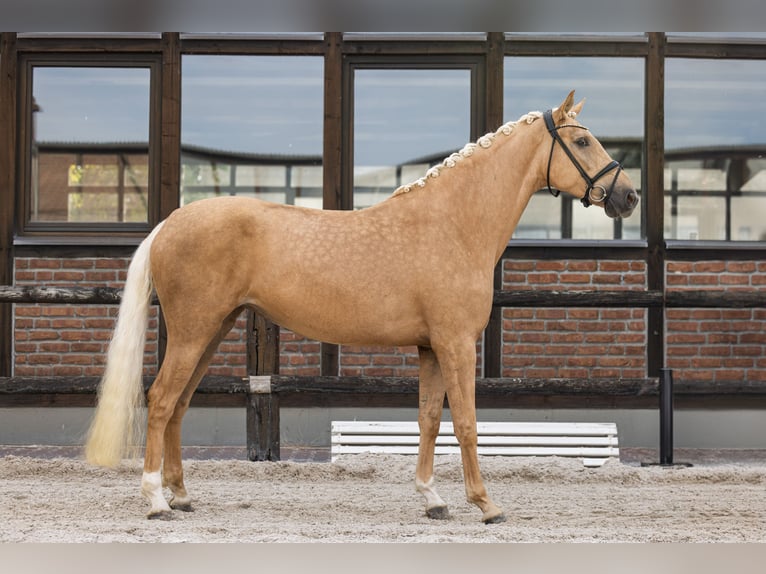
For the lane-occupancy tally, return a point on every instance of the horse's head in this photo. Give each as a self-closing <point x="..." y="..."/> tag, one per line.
<point x="578" y="164"/>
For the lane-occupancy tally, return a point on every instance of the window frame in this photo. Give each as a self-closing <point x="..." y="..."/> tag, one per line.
<point x="96" y="230"/>
<point x="476" y="65"/>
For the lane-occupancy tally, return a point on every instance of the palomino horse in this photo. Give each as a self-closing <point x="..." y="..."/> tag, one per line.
<point x="415" y="269"/>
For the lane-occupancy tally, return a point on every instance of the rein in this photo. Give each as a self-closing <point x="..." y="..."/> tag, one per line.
<point x="589" y="196"/>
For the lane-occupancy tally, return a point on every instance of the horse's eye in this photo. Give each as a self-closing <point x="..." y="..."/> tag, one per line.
<point x="582" y="142"/>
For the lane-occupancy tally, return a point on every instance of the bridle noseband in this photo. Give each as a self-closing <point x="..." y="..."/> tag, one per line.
<point x="589" y="196"/>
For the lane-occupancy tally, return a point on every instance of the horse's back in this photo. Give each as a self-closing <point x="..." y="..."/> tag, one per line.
<point x="331" y="275"/>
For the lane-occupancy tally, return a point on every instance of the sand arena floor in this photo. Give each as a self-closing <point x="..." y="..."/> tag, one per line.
<point x="371" y="498"/>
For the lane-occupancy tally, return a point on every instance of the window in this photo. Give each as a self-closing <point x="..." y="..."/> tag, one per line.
<point x="613" y="88"/>
<point x="88" y="127"/>
<point x="406" y="120"/>
<point x="252" y="126"/>
<point x="715" y="149"/>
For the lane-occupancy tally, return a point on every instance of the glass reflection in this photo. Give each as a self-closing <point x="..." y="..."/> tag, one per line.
<point x="613" y="89"/>
<point x="404" y="122"/>
<point x="90" y="134"/>
<point x="715" y="149"/>
<point x="252" y="126"/>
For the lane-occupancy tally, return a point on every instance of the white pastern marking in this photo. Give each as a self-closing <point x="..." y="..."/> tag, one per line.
<point x="433" y="500"/>
<point x="151" y="488"/>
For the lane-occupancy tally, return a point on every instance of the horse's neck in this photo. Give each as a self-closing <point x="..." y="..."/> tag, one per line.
<point x="488" y="194"/>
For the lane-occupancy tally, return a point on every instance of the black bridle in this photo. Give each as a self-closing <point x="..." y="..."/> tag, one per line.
<point x="589" y="196"/>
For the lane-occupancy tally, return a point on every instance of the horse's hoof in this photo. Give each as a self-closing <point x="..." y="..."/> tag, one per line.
<point x="160" y="515"/>
<point x="437" y="513"/>
<point x="497" y="519"/>
<point x="183" y="507"/>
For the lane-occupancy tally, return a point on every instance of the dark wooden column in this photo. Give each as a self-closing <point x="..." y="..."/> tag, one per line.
<point x="169" y="147"/>
<point x="332" y="154"/>
<point x="493" y="335"/>
<point x="8" y="75"/>
<point x="170" y="125"/>
<point x="262" y="418"/>
<point x="652" y="192"/>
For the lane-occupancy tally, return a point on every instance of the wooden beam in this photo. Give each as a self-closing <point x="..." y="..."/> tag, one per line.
<point x="268" y="361"/>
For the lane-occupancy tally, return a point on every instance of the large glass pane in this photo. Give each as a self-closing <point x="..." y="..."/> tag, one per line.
<point x="715" y="171"/>
<point x="404" y="122"/>
<point x="613" y="89"/>
<point x="252" y="126"/>
<point x="90" y="144"/>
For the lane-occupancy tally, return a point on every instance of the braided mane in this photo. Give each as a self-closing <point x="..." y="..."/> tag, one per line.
<point x="484" y="142"/>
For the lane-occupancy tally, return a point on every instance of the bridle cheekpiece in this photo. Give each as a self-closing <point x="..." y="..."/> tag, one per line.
<point x="592" y="188"/>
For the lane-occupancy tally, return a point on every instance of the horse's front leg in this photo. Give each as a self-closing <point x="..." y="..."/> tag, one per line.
<point x="458" y="368"/>
<point x="429" y="418"/>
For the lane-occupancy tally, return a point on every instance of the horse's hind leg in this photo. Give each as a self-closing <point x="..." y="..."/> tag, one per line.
<point x="429" y="420"/>
<point x="172" y="475"/>
<point x="186" y="346"/>
<point x="174" y="376"/>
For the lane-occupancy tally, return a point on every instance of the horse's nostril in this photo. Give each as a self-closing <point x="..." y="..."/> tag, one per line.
<point x="632" y="198"/>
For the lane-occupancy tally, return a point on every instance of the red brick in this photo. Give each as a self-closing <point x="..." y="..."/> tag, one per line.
<point x="582" y="265"/>
<point x="104" y="263"/>
<point x="79" y="263"/>
<point x="729" y="375"/>
<point x="710" y="267"/>
<point x="516" y="265"/>
<point x="37" y="263"/>
<point x="575" y="278"/>
<point x="703" y="279"/>
<point x="730" y="279"/>
<point x="67" y="371"/>
<point x="741" y="266"/>
<point x="679" y="267"/>
<point x="542" y="278"/>
<point x="614" y="266"/>
<point x="584" y="314"/>
<point x="675" y="338"/>
<point x="389" y="360"/>
<point x="76" y="336"/>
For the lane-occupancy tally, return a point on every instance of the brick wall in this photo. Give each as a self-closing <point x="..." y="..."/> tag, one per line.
<point x="702" y="344"/>
<point x="716" y="344"/>
<point x="298" y="355"/>
<point x="70" y="340"/>
<point x="561" y="342"/>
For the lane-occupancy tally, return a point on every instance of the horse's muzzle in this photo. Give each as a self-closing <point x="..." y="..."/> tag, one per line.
<point x="621" y="202"/>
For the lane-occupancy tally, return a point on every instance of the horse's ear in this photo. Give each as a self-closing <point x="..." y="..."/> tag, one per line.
<point x="560" y="113"/>
<point x="577" y="108"/>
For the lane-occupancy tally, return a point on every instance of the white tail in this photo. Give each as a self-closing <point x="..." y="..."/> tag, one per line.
<point x="116" y="424"/>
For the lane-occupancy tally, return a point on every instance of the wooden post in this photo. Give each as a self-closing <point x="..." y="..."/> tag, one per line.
<point x="493" y="334"/>
<point x="7" y="188"/>
<point x="332" y="163"/>
<point x="654" y="206"/>
<point x="262" y="419"/>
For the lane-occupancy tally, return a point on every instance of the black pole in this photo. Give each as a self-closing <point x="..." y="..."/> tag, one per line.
<point x="666" y="417"/>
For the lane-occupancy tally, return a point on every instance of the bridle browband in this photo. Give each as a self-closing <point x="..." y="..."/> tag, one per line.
<point x="589" y="197"/>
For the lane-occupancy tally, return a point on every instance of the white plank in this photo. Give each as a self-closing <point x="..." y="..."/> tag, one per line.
<point x="595" y="443"/>
<point x="495" y="428"/>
